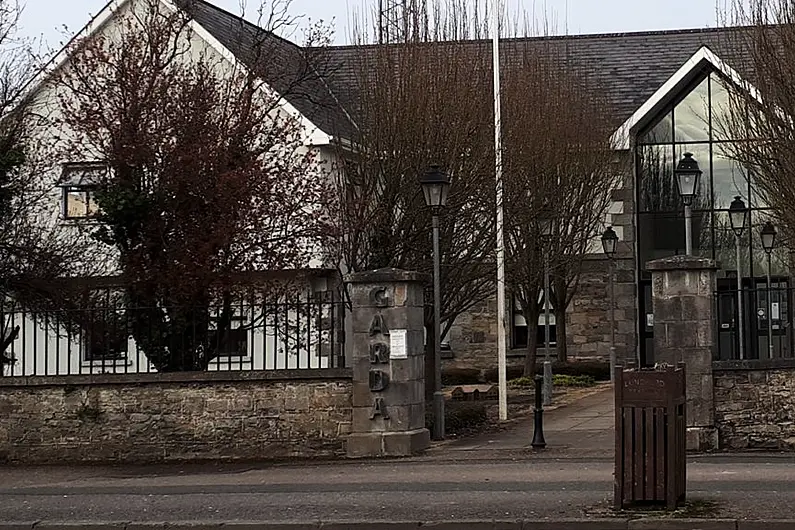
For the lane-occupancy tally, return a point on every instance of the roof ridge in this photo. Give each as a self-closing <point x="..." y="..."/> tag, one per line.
<point x="238" y="18"/>
<point x="580" y="36"/>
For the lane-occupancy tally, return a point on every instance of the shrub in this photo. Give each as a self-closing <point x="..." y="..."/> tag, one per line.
<point x="521" y="382"/>
<point x="598" y="370"/>
<point x="573" y="380"/>
<point x="513" y="372"/>
<point x="461" y="418"/>
<point x="460" y="376"/>
<point x="557" y="380"/>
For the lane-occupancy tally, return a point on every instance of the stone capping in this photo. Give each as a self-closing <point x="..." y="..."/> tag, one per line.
<point x="179" y="377"/>
<point x="387" y="275"/>
<point x="753" y="364"/>
<point x="682" y="262"/>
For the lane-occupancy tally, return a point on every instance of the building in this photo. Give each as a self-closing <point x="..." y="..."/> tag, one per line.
<point x="666" y="90"/>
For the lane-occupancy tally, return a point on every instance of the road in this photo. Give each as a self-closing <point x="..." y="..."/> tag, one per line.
<point x="527" y="487"/>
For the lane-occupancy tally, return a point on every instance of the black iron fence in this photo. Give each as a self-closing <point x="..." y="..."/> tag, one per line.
<point x="305" y="332"/>
<point x="762" y="317"/>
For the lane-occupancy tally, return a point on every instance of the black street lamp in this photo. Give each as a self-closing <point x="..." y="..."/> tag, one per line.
<point x="738" y="217"/>
<point x="688" y="175"/>
<point x="435" y="187"/>
<point x="609" y="244"/>
<point x="546" y="222"/>
<point x="768" y="236"/>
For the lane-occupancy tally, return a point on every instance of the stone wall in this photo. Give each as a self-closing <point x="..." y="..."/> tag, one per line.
<point x="473" y="337"/>
<point x="588" y="315"/>
<point x="755" y="404"/>
<point x="146" y="418"/>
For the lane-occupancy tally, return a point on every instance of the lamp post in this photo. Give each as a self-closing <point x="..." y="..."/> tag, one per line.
<point x="609" y="241"/>
<point x="687" y="177"/>
<point x="545" y="228"/>
<point x="435" y="187"/>
<point x="768" y="235"/>
<point x="738" y="217"/>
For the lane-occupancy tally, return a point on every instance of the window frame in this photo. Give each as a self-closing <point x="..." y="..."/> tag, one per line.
<point x="81" y="178"/>
<point x="89" y="191"/>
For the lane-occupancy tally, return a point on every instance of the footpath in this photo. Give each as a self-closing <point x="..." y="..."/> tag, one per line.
<point x="489" y="482"/>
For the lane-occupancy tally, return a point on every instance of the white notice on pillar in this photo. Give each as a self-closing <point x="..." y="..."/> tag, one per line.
<point x="397" y="344"/>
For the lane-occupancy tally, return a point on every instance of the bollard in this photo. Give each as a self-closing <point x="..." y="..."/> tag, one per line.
<point x="538" y="417"/>
<point x="547" y="383"/>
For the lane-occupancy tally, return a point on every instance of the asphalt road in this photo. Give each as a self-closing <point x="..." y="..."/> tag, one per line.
<point x="525" y="488"/>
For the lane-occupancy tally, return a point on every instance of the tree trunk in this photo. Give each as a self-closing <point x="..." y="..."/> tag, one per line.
<point x="560" y="333"/>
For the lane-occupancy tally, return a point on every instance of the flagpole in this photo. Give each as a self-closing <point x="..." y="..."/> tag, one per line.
<point x="501" y="338"/>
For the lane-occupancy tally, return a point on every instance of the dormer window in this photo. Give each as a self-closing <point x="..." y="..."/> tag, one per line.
<point x="79" y="182"/>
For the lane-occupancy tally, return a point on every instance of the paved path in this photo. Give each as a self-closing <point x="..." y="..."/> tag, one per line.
<point x="583" y="429"/>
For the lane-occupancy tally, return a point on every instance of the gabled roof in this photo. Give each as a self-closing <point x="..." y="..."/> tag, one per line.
<point x="703" y="59"/>
<point x="294" y="72"/>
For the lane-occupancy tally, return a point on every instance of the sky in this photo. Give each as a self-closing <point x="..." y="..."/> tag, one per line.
<point x="47" y="19"/>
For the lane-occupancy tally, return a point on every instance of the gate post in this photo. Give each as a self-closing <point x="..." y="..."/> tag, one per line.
<point x="388" y="361"/>
<point x="683" y="290"/>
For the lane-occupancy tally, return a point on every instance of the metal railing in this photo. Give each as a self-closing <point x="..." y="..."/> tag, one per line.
<point x="246" y="334"/>
<point x="768" y="324"/>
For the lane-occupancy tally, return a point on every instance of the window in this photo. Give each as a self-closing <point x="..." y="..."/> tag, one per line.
<point x="519" y="332"/>
<point x="78" y="202"/>
<point x="105" y="335"/>
<point x="101" y="324"/>
<point x="79" y="182"/>
<point x="233" y="342"/>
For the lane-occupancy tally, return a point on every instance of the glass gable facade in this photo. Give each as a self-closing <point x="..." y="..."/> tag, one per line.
<point x="694" y="123"/>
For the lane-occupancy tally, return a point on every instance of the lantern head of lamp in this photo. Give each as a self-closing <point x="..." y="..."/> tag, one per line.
<point x="688" y="175"/>
<point x="768" y="234"/>
<point x="545" y="223"/>
<point x="738" y="215"/>
<point x="435" y="186"/>
<point x="609" y="242"/>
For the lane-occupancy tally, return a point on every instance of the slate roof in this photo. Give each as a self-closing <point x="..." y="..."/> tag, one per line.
<point x="629" y="67"/>
<point x="296" y="73"/>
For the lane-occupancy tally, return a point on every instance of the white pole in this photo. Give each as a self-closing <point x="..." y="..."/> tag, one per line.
<point x="501" y="338"/>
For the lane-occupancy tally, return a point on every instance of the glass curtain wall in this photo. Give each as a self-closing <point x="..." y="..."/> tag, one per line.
<point x="692" y="124"/>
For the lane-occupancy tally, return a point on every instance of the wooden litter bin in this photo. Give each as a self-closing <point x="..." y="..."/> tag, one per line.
<point x="650" y="436"/>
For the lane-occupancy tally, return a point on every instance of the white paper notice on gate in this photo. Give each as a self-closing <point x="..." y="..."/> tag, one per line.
<point x="775" y="312"/>
<point x="397" y="344"/>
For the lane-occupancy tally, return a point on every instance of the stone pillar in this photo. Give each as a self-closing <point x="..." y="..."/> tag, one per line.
<point x="388" y="361"/>
<point x="683" y="289"/>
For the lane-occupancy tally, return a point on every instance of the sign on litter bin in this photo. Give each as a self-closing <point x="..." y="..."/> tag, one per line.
<point x="650" y="436"/>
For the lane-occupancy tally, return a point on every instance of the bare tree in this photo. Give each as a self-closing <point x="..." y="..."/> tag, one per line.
<point x="758" y="114"/>
<point x="207" y="175"/>
<point x="559" y="163"/>
<point x="423" y="100"/>
<point x="36" y="249"/>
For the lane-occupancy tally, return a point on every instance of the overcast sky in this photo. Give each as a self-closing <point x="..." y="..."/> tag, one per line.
<point x="47" y="17"/>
